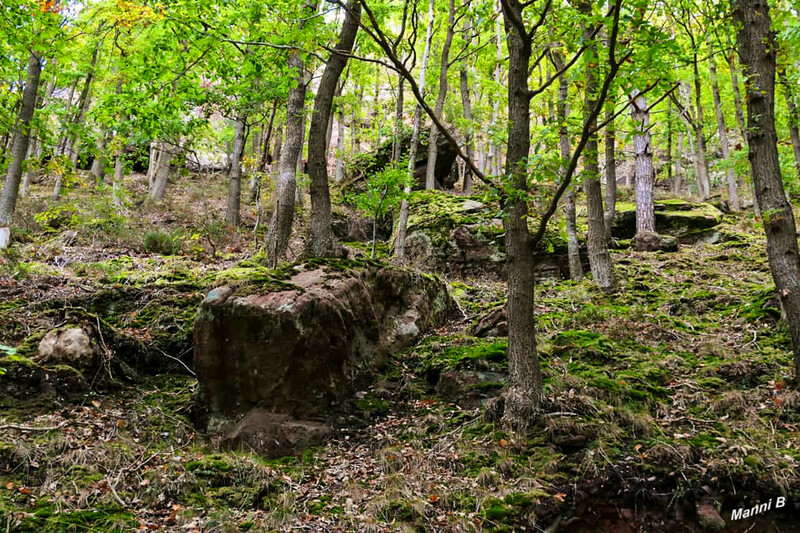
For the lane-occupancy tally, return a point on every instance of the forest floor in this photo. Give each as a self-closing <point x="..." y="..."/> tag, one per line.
<point x="667" y="405"/>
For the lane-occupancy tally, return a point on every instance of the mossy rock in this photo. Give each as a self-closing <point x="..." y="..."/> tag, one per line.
<point x="673" y="217"/>
<point x="24" y="380"/>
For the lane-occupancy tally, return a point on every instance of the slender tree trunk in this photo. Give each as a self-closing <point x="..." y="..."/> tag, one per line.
<point x="573" y="248"/>
<point x="31" y="157"/>
<point x="466" y="103"/>
<point x="321" y="242"/>
<point x="703" y="181"/>
<point x="280" y="229"/>
<point x="678" y="183"/>
<point x="8" y="202"/>
<point x="611" y="174"/>
<point x="794" y="123"/>
<point x="737" y="96"/>
<point x="402" y="222"/>
<point x="494" y="150"/>
<point x="262" y="165"/>
<point x="339" y="175"/>
<point x="599" y="258"/>
<point x="232" y="214"/>
<point x="733" y="191"/>
<point x="524" y="393"/>
<point x="645" y="213"/>
<point x="430" y="169"/>
<point x="397" y="144"/>
<point x="99" y="163"/>
<point x="757" y="48"/>
<point x="119" y="177"/>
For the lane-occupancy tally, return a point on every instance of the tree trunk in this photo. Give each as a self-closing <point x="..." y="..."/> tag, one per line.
<point x="98" y="165"/>
<point x="321" y="242"/>
<point x="402" y="222"/>
<point x="280" y="228"/>
<point x="643" y="150"/>
<point x="737" y="96"/>
<point x="119" y="177"/>
<point x="430" y="170"/>
<point x="733" y="192"/>
<point x="599" y="258"/>
<point x="339" y="175"/>
<point x="678" y="183"/>
<point x="8" y="202"/>
<point x="161" y="174"/>
<point x="757" y="48"/>
<point x="573" y="249"/>
<point x="232" y="214"/>
<point x="397" y="150"/>
<point x="703" y="182"/>
<point x="524" y="392"/>
<point x="794" y="123"/>
<point x="611" y="174"/>
<point x="466" y="103"/>
<point x="494" y="149"/>
<point x="26" y="178"/>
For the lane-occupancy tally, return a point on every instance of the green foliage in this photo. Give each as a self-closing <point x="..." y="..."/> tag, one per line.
<point x="161" y="242"/>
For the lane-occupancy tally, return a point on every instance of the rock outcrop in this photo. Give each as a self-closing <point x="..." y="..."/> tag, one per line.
<point x="686" y="221"/>
<point x="297" y="346"/>
<point x="463" y="235"/>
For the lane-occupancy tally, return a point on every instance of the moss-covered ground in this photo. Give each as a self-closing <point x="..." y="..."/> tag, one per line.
<point x="676" y="389"/>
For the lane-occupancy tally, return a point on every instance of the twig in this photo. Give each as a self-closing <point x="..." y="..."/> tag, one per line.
<point x="33" y="428"/>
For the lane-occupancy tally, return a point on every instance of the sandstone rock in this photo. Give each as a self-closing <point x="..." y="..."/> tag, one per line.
<point x="673" y="217"/>
<point x="492" y="324"/>
<point x="272" y="434"/>
<point x="71" y="346"/>
<point x="300" y="347"/>
<point x="647" y="241"/>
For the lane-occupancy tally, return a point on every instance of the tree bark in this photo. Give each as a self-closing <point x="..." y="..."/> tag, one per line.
<point x="232" y="214"/>
<point x="733" y="191"/>
<point x="161" y="174"/>
<point x="643" y="149"/>
<point x="280" y="228"/>
<point x="599" y="258"/>
<point x="794" y="124"/>
<point x="398" y="120"/>
<point x="321" y="242"/>
<point x="430" y="169"/>
<point x="611" y="174"/>
<point x="573" y="248"/>
<point x="402" y="220"/>
<point x="466" y="103"/>
<point x="8" y="202"/>
<point x="737" y="96"/>
<point x="524" y="392"/>
<point x="757" y="48"/>
<point x="703" y="183"/>
<point x="678" y="183"/>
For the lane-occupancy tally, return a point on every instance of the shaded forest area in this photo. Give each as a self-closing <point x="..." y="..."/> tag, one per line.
<point x="399" y="265"/>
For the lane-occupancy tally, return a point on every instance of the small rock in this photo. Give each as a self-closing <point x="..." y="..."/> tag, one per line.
<point x="471" y="206"/>
<point x="492" y="324"/>
<point x="570" y="441"/>
<point x="647" y="241"/>
<point x="708" y="517"/>
<point x="72" y="347"/>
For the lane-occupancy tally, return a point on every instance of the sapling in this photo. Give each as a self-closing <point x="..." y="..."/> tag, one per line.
<point x="383" y="193"/>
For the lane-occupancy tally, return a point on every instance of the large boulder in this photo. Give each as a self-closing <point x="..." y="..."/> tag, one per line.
<point x="683" y="220"/>
<point x="298" y="345"/>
